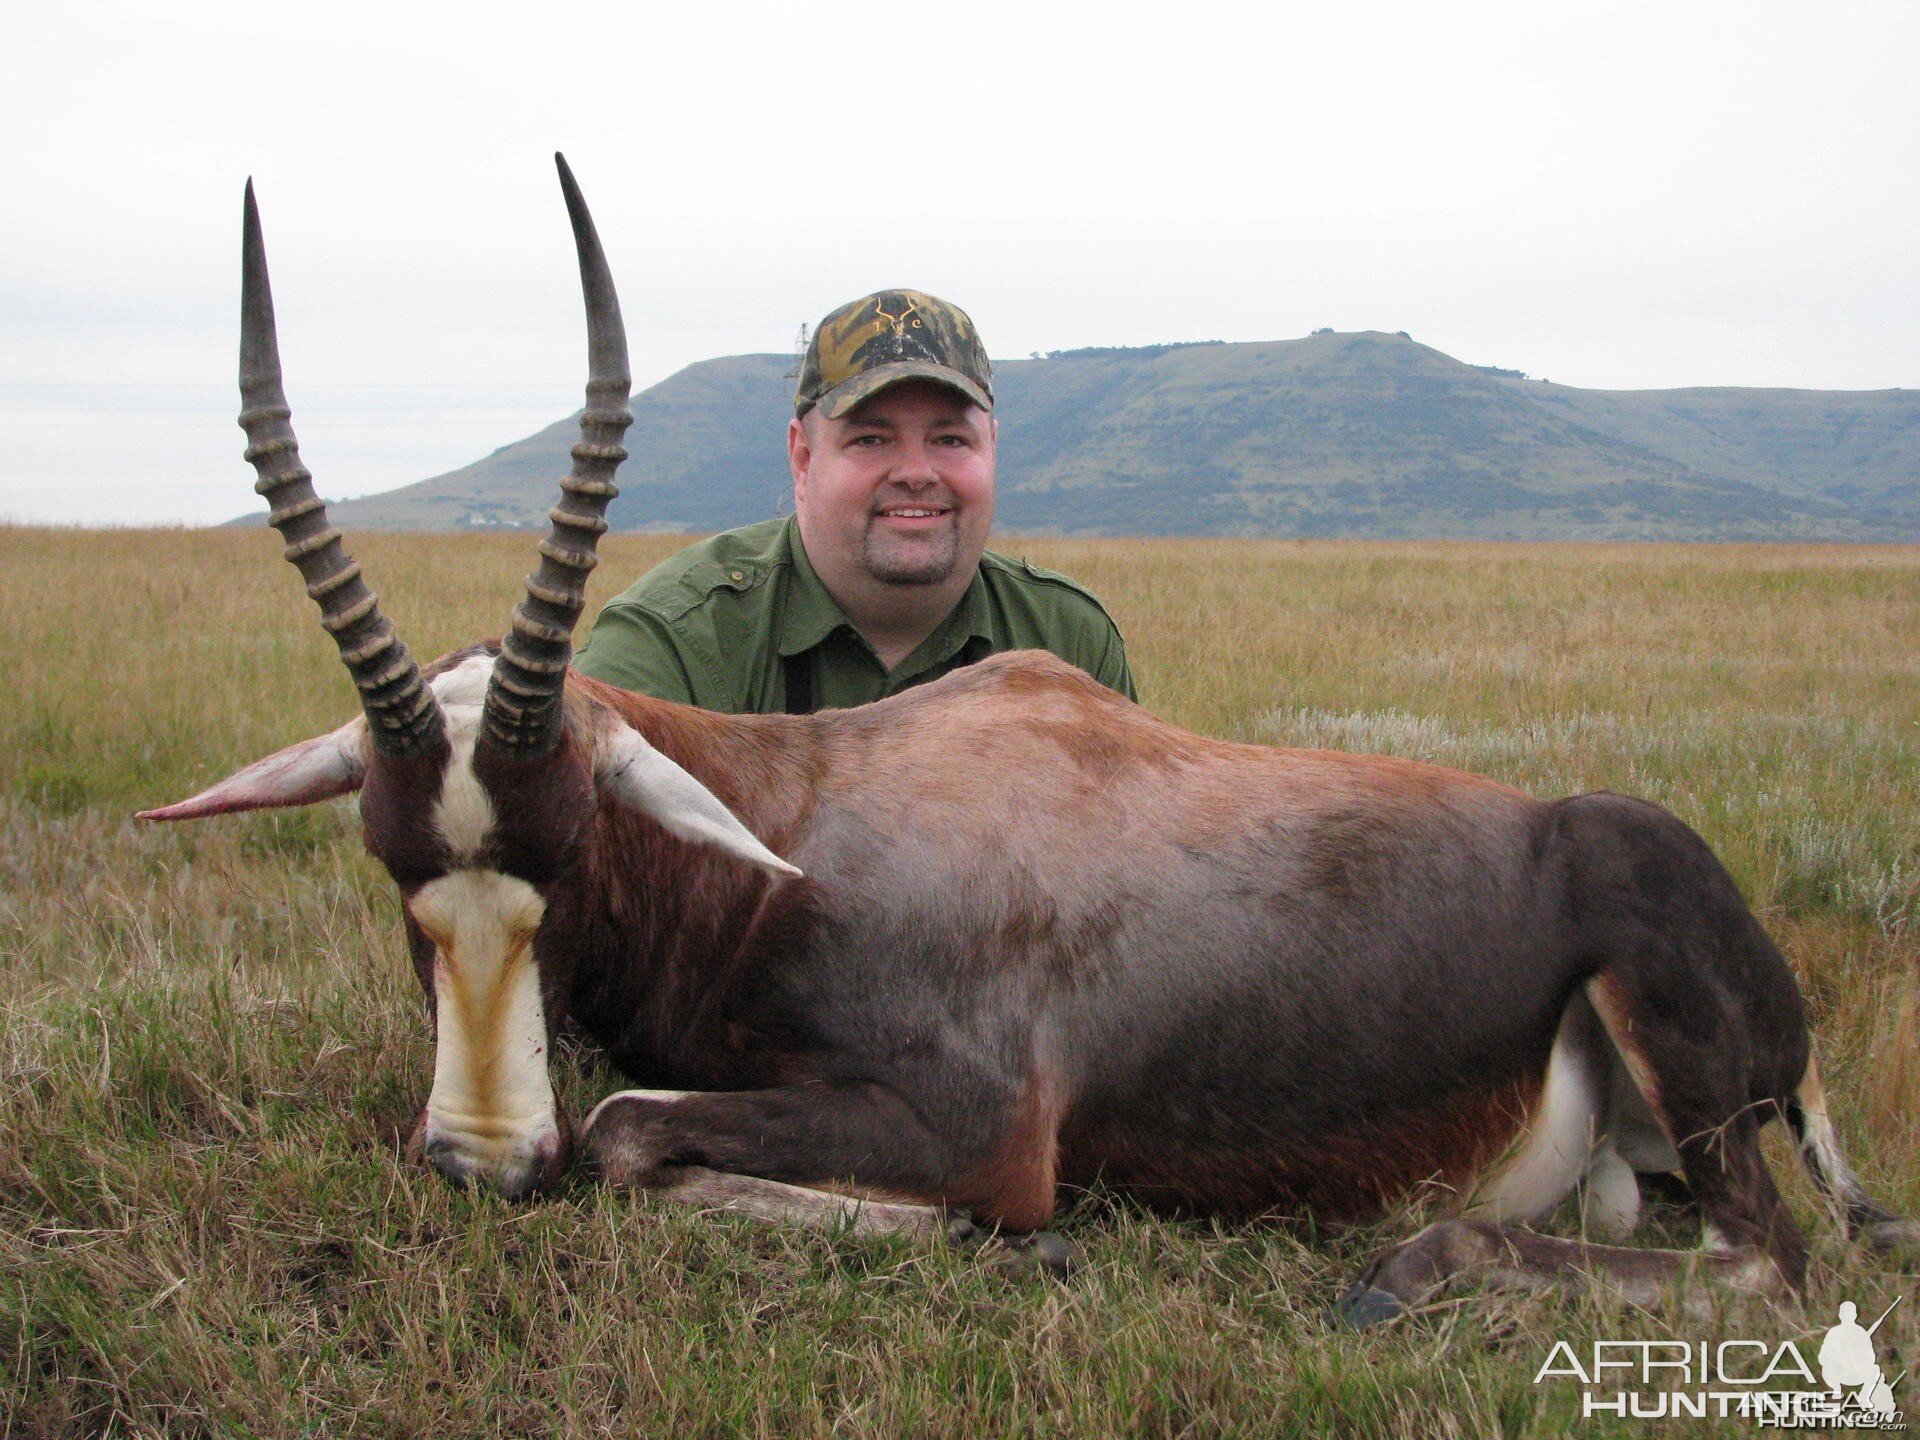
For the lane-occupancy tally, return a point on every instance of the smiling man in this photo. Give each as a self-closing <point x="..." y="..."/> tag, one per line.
<point x="880" y="579"/>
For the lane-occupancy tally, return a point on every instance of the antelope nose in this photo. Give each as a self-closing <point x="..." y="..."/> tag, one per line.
<point x="514" y="1177"/>
<point x="446" y="1160"/>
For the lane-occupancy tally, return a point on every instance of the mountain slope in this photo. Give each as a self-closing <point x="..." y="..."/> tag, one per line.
<point x="1335" y="434"/>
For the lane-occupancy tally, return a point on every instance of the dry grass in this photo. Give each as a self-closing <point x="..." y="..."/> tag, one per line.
<point x="210" y="1039"/>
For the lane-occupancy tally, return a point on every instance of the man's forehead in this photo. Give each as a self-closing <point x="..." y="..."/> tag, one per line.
<point x="884" y="406"/>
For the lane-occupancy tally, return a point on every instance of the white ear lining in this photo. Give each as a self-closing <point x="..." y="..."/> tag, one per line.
<point x="318" y="769"/>
<point x="636" y="774"/>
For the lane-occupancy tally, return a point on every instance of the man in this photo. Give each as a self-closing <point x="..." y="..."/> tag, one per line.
<point x="880" y="579"/>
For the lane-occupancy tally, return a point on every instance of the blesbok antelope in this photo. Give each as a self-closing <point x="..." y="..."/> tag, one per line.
<point x="1009" y="932"/>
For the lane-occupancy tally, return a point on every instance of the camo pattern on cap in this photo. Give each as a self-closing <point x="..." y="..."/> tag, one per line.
<point x="885" y="338"/>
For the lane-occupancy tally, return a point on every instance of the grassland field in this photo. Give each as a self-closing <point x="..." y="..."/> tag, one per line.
<point x="210" y="1042"/>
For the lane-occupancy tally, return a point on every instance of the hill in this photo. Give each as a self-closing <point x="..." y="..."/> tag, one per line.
<point x="1355" y="434"/>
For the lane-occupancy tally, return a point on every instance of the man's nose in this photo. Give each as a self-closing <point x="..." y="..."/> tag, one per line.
<point x="913" y="464"/>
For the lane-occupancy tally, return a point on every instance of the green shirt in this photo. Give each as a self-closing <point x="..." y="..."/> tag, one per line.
<point x="715" y="625"/>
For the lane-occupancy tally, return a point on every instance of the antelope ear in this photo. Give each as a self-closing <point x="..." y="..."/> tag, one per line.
<point x="316" y="769"/>
<point x="631" y="771"/>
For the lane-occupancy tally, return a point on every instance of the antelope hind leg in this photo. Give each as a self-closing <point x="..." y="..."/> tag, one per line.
<point x="1454" y="1253"/>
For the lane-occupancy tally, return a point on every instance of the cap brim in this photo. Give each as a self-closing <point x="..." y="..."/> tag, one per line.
<point x="842" y="398"/>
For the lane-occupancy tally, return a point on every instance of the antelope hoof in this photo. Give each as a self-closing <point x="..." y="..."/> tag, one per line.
<point x="1364" y="1306"/>
<point x="1894" y="1237"/>
<point x="1042" y="1252"/>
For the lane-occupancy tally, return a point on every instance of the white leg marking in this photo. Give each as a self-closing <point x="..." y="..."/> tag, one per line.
<point x="1569" y="1117"/>
<point x="594" y="1114"/>
<point x="1820" y="1145"/>
<point x="1612" y="1207"/>
<point x="492" y="1102"/>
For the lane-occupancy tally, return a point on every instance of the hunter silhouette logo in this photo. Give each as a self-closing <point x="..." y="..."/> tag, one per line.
<point x="1847" y="1363"/>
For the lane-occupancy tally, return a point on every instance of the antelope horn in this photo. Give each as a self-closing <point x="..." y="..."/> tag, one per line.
<point x="402" y="716"/>
<point x="523" y="712"/>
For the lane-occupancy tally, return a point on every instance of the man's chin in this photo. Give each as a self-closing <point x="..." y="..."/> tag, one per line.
<point x="912" y="565"/>
<point x="910" y="577"/>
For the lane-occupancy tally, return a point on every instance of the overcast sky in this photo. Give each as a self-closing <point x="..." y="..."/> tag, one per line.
<point x="1617" y="195"/>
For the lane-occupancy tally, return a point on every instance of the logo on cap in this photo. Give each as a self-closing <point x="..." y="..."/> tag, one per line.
<point x="884" y="338"/>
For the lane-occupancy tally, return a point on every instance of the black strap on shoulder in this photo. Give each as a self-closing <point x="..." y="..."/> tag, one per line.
<point x="799" y="682"/>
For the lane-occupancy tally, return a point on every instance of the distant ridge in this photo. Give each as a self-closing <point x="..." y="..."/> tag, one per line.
<point x="1338" y="434"/>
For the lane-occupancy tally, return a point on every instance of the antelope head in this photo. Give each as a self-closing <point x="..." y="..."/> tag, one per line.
<point x="478" y="783"/>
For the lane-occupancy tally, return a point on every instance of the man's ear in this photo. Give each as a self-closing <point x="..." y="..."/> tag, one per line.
<point x="799" y="452"/>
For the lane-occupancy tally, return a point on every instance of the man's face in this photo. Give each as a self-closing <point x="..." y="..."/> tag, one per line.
<point x="899" y="490"/>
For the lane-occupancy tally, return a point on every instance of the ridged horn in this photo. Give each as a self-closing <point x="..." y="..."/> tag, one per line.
<point x="523" y="711"/>
<point x="402" y="716"/>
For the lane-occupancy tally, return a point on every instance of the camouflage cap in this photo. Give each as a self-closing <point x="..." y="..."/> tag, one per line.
<point x="886" y="337"/>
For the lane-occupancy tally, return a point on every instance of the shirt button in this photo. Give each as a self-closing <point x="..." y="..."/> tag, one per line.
<point x="735" y="575"/>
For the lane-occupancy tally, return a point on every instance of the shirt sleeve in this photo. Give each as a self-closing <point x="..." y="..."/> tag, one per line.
<point x="633" y="648"/>
<point x="1112" y="670"/>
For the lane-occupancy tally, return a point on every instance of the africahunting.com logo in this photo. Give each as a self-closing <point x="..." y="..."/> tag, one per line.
<point x="1845" y="1388"/>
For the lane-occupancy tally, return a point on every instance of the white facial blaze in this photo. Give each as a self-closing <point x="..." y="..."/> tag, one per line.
<point x="464" y="685"/>
<point x="492" y="1102"/>
<point x="464" y="813"/>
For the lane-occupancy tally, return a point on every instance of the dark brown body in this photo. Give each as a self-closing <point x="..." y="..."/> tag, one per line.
<point x="1045" y="938"/>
